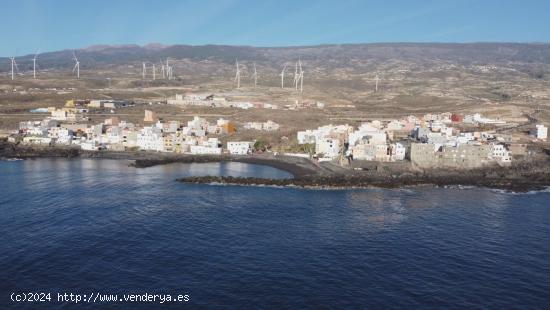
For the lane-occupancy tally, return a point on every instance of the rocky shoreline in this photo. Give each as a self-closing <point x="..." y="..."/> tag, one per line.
<point x="478" y="179"/>
<point x="520" y="177"/>
<point x="296" y="166"/>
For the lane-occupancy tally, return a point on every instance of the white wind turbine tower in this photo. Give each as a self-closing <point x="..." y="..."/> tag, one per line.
<point x="376" y="80"/>
<point x="296" y="76"/>
<point x="163" y="72"/>
<point x="76" y="66"/>
<point x="168" y="70"/>
<point x="13" y="66"/>
<point x="238" y="74"/>
<point x="143" y="71"/>
<point x="283" y="77"/>
<point x="301" y="76"/>
<point x="255" y="76"/>
<point x="34" y="65"/>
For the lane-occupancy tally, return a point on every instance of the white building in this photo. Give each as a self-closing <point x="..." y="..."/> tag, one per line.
<point x="306" y="137"/>
<point x="329" y="147"/>
<point x="240" y="147"/>
<point x="198" y="123"/>
<point x="150" y="139"/>
<point x="61" y="135"/>
<point x="37" y="140"/>
<point x="542" y="132"/>
<point x="60" y="115"/>
<point x="267" y="126"/>
<point x="398" y="151"/>
<point x="205" y="150"/>
<point x="270" y="126"/>
<point x="89" y="145"/>
<point x="367" y="130"/>
<point x="501" y="154"/>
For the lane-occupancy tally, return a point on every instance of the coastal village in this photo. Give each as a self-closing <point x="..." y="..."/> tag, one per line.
<point x="444" y="140"/>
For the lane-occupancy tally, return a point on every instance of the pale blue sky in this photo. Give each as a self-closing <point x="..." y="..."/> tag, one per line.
<point x="28" y="25"/>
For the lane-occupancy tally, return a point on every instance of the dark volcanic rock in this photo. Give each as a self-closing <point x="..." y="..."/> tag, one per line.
<point x="10" y="150"/>
<point x="512" y="182"/>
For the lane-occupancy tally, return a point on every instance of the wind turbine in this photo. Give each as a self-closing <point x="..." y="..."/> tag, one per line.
<point x="283" y="77"/>
<point x="34" y="65"/>
<point x="162" y="69"/>
<point x="238" y="74"/>
<point x="296" y="76"/>
<point x="169" y="70"/>
<point x="376" y="80"/>
<point x="255" y="76"/>
<point x="143" y="71"/>
<point x="13" y="66"/>
<point x="76" y="66"/>
<point x="301" y="76"/>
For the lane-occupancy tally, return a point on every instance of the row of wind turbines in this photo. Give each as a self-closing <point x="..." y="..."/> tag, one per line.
<point x="15" y="68"/>
<point x="166" y="70"/>
<point x="298" y="76"/>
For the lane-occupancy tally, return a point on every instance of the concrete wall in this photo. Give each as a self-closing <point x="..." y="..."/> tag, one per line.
<point x="461" y="157"/>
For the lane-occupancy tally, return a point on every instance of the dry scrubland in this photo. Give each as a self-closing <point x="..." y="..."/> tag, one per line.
<point x="503" y="89"/>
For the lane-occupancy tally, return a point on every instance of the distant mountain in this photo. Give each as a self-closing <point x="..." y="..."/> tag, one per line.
<point x="341" y="55"/>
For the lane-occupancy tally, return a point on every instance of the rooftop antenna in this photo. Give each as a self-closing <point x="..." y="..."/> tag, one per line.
<point x="34" y="65"/>
<point x="255" y="76"/>
<point x="283" y="77"/>
<point x="76" y="66"/>
<point x="238" y="74"/>
<point x="376" y="80"/>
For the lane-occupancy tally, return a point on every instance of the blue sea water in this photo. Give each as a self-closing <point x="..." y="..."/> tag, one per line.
<point x="100" y="226"/>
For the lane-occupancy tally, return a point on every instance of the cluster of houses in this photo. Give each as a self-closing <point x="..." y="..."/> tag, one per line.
<point x="304" y="104"/>
<point x="194" y="137"/>
<point x="430" y="141"/>
<point x="372" y="141"/>
<point x="74" y="109"/>
<point x="211" y="100"/>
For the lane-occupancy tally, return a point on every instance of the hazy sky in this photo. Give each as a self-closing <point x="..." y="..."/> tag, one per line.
<point x="28" y="25"/>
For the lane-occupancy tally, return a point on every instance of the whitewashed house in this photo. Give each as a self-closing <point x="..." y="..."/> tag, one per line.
<point x="542" y="132"/>
<point x="329" y="147"/>
<point x="150" y="139"/>
<point x="501" y="154"/>
<point x="240" y="147"/>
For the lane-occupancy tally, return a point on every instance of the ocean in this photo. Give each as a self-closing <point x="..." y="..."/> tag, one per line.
<point x="99" y="227"/>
